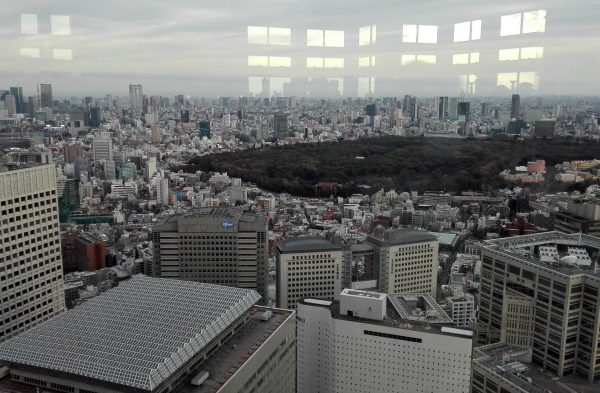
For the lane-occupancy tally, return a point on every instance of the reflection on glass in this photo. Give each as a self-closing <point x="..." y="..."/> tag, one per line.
<point x="367" y="35"/>
<point x="29" y="24"/>
<point x="30" y="52"/>
<point x="314" y="37"/>
<point x="334" y="38"/>
<point x="530" y="78"/>
<point x="534" y="22"/>
<point x="258" y="35"/>
<point x="366" y="61"/>
<point x="258" y="61"/>
<point x="280" y="36"/>
<point x="427" y="34"/>
<point x="476" y="29"/>
<point x="62" y="54"/>
<point x="340" y="84"/>
<point x="366" y="86"/>
<point x="409" y="33"/>
<point x="269" y="35"/>
<point x="508" y="54"/>
<point x="462" y="31"/>
<point x="512" y="80"/>
<point x="460" y="59"/>
<point x="529" y="53"/>
<point x="408" y="59"/>
<point x="510" y="25"/>
<point x="427" y="59"/>
<point x="60" y="24"/>
<point x="334" y="62"/>
<point x="468" y="83"/>
<point x="314" y="62"/>
<point x="280" y="61"/>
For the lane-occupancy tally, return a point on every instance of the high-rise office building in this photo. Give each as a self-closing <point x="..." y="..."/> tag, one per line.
<point x="10" y="104"/>
<point x="162" y="191"/>
<point x="515" y="106"/>
<point x="46" y="95"/>
<point x="17" y="92"/>
<point x="372" y="342"/>
<point x="216" y="245"/>
<point x="550" y="279"/>
<point x="280" y="125"/>
<point x="152" y="335"/>
<point x="443" y="108"/>
<point x="406" y="261"/>
<point x="31" y="282"/>
<point x="204" y="129"/>
<point x="95" y="116"/>
<point x="136" y="97"/>
<point x="102" y="149"/>
<point x="308" y="267"/>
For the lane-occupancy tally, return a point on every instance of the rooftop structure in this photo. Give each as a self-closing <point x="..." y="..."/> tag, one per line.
<point x="420" y="308"/>
<point x="401" y="236"/>
<point x="161" y="325"/>
<point x="307" y="244"/>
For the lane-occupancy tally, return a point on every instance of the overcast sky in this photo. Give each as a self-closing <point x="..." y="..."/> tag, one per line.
<point x="200" y="47"/>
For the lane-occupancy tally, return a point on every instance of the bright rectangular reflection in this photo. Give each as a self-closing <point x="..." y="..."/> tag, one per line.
<point x="334" y="62"/>
<point x="314" y="62"/>
<point x="510" y="25"/>
<point x="468" y="83"/>
<point x="364" y="35"/>
<point x="427" y="34"/>
<point x="460" y="59"/>
<point x="534" y="22"/>
<point x="29" y="24"/>
<point x="314" y="37"/>
<point x="508" y="54"/>
<point x="476" y="29"/>
<point x="474" y="58"/>
<point x="408" y="59"/>
<point x="30" y="52"/>
<point x="462" y="32"/>
<point x="339" y="83"/>
<point x="427" y="59"/>
<point x="366" y="86"/>
<point x="258" y="35"/>
<point x="280" y="36"/>
<point x="409" y="33"/>
<point x="530" y="53"/>
<point x="258" y="61"/>
<point x="62" y="54"/>
<point x="512" y="80"/>
<point x="334" y="38"/>
<point x="280" y="61"/>
<point x="60" y="24"/>
<point x="366" y="61"/>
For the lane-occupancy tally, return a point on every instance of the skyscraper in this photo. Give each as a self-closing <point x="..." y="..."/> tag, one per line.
<point x="136" y="97"/>
<point x="280" y="125"/>
<point x="17" y="92"/>
<point x="10" y="104"/>
<point x="204" y="129"/>
<point x="46" y="95"/>
<point x="30" y="257"/>
<point x="515" y="107"/>
<point x="216" y="245"/>
<point x="443" y="108"/>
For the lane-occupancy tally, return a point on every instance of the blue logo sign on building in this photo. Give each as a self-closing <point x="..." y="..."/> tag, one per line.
<point x="228" y="224"/>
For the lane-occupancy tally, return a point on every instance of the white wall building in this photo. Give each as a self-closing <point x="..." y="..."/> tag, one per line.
<point x="409" y="349"/>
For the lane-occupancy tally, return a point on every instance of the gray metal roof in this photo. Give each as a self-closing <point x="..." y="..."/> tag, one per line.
<point x="307" y="244"/>
<point x="394" y="237"/>
<point x="137" y="334"/>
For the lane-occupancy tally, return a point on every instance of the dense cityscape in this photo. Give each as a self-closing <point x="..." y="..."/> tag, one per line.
<point x="307" y="235"/>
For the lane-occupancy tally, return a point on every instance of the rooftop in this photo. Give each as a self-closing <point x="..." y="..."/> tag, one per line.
<point x="235" y="352"/>
<point x="394" y="237"/>
<point x="520" y="247"/>
<point x="419" y="308"/>
<point x="306" y="244"/>
<point x="513" y="365"/>
<point x="161" y="324"/>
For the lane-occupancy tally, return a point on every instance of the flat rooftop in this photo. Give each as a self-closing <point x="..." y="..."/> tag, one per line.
<point x="419" y="308"/>
<point x="136" y="335"/>
<point x="306" y="244"/>
<point x="508" y="362"/>
<point x="521" y="247"/>
<point x="395" y="237"/>
<point x="237" y="350"/>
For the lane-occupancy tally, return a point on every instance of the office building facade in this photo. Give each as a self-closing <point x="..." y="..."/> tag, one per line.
<point x="31" y="285"/>
<point x="215" y="245"/>
<point x="46" y="95"/>
<point x="308" y="267"/>
<point x="136" y="97"/>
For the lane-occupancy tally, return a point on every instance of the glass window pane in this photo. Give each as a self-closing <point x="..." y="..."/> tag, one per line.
<point x="363" y="61"/>
<point x="280" y="61"/>
<point x="428" y="34"/>
<point x="461" y="31"/>
<point x="530" y="78"/>
<point x="408" y="59"/>
<point x="258" y="35"/>
<point x="427" y="59"/>
<point x="280" y="36"/>
<point x="476" y="29"/>
<point x="30" y="52"/>
<point x="409" y="33"/>
<point x="507" y="79"/>
<point x="29" y="24"/>
<point x="334" y="62"/>
<point x="474" y="57"/>
<point x="373" y="34"/>
<point x="60" y="24"/>
<point x="364" y="35"/>
<point x="314" y="37"/>
<point x="258" y="61"/>
<point x="534" y="22"/>
<point x="508" y="54"/>
<point x="334" y="38"/>
<point x="510" y="25"/>
<point x="314" y="62"/>
<point x="460" y="58"/>
<point x="536" y="52"/>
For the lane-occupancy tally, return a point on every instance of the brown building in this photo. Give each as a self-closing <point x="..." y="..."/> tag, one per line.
<point x="72" y="152"/>
<point x="67" y="241"/>
<point x="90" y="253"/>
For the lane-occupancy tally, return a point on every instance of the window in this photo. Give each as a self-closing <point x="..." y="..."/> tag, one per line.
<point x="269" y="35"/>
<point x="366" y="61"/>
<point x="465" y="58"/>
<point x="324" y="62"/>
<point x="467" y="31"/>
<point x="327" y="38"/>
<point x="367" y="35"/>
<point x="511" y="80"/>
<point x="528" y="53"/>
<point x="423" y="59"/>
<point x="523" y="23"/>
<point x="269" y="61"/>
<point x="422" y="34"/>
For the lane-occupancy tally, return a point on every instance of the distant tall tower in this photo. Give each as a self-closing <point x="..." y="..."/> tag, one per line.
<point x="280" y="125"/>
<point x="136" y="97"/>
<point x="443" y="108"/>
<point x="266" y="88"/>
<point x="10" y="104"/>
<point x="30" y="259"/>
<point x="515" y="108"/>
<point x="19" y="102"/>
<point x="46" y="95"/>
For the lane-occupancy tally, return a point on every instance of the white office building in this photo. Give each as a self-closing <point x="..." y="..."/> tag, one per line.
<point x="31" y="284"/>
<point x="377" y="343"/>
<point x="102" y="149"/>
